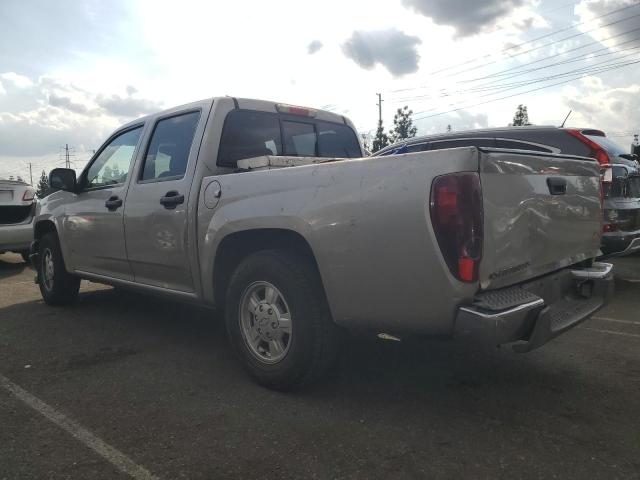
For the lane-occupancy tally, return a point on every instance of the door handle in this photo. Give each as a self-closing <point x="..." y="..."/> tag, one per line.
<point x="172" y="199"/>
<point x="557" y="185"/>
<point x="113" y="203"/>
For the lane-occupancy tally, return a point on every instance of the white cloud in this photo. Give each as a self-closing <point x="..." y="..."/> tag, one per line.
<point x="51" y="112"/>
<point x="13" y="79"/>
<point x="613" y="109"/>
<point x="622" y="14"/>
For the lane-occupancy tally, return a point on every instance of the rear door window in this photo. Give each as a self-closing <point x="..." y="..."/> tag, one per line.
<point x="168" y="152"/>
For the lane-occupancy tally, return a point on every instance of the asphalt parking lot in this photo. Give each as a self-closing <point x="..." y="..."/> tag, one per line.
<point x="126" y="383"/>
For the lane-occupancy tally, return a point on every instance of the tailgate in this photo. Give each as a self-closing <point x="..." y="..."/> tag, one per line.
<point x="528" y="230"/>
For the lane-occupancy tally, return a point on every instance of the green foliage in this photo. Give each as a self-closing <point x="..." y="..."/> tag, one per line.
<point x="381" y="139"/>
<point x="403" y="127"/>
<point x="43" y="185"/>
<point x="521" y="118"/>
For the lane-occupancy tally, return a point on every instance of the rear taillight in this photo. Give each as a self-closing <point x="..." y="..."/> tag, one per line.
<point x="28" y="195"/>
<point x="597" y="151"/>
<point x="456" y="216"/>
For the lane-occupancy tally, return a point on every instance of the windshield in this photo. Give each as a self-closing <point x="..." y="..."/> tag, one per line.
<point x="615" y="151"/>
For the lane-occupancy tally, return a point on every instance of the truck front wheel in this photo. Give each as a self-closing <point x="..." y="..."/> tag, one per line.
<point x="57" y="286"/>
<point x="278" y="320"/>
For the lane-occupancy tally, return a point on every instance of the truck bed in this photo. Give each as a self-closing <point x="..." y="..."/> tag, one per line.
<point x="368" y="225"/>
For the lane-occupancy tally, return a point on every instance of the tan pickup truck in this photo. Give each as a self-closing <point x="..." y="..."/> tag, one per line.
<point x="268" y="212"/>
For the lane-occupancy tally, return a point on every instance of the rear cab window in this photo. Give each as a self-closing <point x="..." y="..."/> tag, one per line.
<point x="248" y="134"/>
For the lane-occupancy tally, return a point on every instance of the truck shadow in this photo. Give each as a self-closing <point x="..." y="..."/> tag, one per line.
<point x="371" y="369"/>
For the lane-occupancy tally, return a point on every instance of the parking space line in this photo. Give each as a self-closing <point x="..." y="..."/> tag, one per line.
<point x="106" y="451"/>
<point x="613" y="332"/>
<point x="607" y="319"/>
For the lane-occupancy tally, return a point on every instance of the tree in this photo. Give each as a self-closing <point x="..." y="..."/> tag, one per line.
<point x="381" y="139"/>
<point x="20" y="179"/>
<point x="448" y="128"/>
<point x="43" y="185"/>
<point x="107" y="174"/>
<point x="366" y="141"/>
<point x="116" y="174"/>
<point x="521" y="118"/>
<point x="402" y="125"/>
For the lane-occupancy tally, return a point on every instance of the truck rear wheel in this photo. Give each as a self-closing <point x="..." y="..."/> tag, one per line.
<point x="57" y="286"/>
<point x="278" y="320"/>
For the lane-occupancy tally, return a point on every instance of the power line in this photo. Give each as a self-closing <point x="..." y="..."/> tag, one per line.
<point x="511" y="85"/>
<point x="503" y="75"/>
<point x="536" y="39"/>
<point x="559" y="54"/>
<point x="580" y="73"/>
<point x="520" y="93"/>
<point x="501" y="84"/>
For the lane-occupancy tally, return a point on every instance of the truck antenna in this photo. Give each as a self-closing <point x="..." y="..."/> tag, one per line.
<point x="565" y="118"/>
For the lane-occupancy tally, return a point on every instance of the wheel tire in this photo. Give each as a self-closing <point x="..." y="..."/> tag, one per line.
<point x="25" y="256"/>
<point x="314" y="339"/>
<point x="57" y="286"/>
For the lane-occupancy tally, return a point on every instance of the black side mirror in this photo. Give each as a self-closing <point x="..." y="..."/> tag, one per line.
<point x="63" y="179"/>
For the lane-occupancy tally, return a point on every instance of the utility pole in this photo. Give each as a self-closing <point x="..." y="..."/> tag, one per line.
<point x="379" y="107"/>
<point x="67" y="153"/>
<point x="30" y="174"/>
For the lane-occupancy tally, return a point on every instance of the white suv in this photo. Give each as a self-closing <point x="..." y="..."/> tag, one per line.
<point x="17" y="209"/>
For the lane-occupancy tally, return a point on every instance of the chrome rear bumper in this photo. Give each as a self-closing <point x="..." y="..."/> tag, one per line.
<point x="554" y="304"/>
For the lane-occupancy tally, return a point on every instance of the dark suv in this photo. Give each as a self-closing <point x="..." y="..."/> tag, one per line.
<point x="621" y="183"/>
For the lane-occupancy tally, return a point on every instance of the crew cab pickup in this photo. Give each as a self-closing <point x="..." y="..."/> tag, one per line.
<point x="268" y="212"/>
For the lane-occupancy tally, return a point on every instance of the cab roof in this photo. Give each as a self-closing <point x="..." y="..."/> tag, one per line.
<point x="247" y="104"/>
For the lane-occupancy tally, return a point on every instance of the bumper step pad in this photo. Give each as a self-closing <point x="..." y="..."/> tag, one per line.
<point x="503" y="299"/>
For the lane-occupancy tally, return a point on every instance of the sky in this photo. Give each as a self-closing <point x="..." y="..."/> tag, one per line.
<point x="72" y="71"/>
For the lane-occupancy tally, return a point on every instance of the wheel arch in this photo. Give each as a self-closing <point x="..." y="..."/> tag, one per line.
<point x="234" y="247"/>
<point x="42" y="227"/>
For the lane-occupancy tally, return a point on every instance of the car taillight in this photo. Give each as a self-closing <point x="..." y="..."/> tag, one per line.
<point x="456" y="216"/>
<point x="28" y="195"/>
<point x="597" y="151"/>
